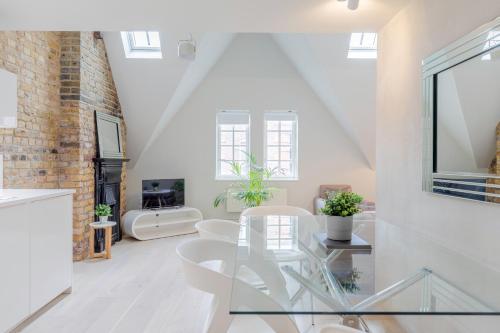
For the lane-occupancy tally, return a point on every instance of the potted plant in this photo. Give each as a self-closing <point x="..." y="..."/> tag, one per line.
<point x="252" y="189"/>
<point x="339" y="208"/>
<point x="103" y="211"/>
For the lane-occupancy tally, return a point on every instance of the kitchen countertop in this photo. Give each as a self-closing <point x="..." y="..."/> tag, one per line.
<point x="12" y="197"/>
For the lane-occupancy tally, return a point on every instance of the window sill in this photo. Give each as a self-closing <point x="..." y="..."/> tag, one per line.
<point x="293" y="179"/>
<point x="228" y="179"/>
<point x="270" y="180"/>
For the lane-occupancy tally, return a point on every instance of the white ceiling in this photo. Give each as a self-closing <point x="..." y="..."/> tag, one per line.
<point x="196" y="15"/>
<point x="346" y="86"/>
<point x="152" y="91"/>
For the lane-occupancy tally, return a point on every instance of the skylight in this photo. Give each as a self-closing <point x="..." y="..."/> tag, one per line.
<point x="493" y="41"/>
<point x="363" y="45"/>
<point x="142" y="44"/>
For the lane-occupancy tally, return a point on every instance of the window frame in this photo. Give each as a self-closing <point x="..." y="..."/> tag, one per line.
<point x="218" y="145"/>
<point x="133" y="47"/>
<point x="361" y="51"/>
<point x="134" y="52"/>
<point x="294" y="145"/>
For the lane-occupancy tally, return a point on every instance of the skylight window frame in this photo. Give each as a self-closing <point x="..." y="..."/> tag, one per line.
<point x="140" y="52"/>
<point x="360" y="50"/>
<point x="491" y="45"/>
<point x="134" y="47"/>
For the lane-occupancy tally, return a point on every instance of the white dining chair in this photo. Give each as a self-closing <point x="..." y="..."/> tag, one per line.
<point x="275" y="210"/>
<point x="194" y="254"/>
<point x="339" y="329"/>
<point x="219" y="229"/>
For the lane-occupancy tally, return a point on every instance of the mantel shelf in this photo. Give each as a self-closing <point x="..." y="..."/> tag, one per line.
<point x="101" y="160"/>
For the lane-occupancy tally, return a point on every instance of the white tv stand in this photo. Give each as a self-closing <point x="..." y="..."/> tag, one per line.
<point x="151" y="224"/>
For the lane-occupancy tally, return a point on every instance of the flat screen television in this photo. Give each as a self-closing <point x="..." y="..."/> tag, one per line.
<point x="162" y="193"/>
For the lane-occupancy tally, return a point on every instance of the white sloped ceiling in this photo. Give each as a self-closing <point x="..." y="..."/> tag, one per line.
<point x="152" y="91"/>
<point x="346" y="86"/>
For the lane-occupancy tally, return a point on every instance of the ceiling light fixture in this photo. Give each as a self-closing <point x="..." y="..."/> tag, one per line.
<point x="351" y="4"/>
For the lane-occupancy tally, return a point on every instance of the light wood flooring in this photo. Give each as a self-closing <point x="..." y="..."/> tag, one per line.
<point x="142" y="289"/>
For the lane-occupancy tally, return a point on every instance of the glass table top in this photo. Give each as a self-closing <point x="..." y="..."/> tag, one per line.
<point x="281" y="267"/>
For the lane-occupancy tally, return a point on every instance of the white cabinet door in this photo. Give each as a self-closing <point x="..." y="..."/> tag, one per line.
<point x="51" y="249"/>
<point x="14" y="272"/>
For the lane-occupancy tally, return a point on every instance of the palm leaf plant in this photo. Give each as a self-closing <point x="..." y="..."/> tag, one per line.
<point x="252" y="189"/>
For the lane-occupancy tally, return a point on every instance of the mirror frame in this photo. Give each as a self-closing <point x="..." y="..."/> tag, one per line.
<point x="467" y="47"/>
<point x="103" y="117"/>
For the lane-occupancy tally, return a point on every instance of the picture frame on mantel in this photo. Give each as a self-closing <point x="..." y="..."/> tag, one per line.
<point x="109" y="138"/>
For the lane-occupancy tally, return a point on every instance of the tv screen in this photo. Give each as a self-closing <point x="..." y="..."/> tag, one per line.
<point x="162" y="193"/>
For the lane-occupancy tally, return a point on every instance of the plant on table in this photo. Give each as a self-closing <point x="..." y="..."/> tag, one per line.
<point x="103" y="212"/>
<point x="251" y="189"/>
<point x="340" y="208"/>
<point x="342" y="204"/>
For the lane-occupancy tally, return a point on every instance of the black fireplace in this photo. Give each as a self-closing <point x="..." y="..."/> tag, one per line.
<point x="108" y="172"/>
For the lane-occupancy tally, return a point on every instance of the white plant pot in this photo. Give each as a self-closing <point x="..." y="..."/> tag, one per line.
<point x="339" y="228"/>
<point x="103" y="219"/>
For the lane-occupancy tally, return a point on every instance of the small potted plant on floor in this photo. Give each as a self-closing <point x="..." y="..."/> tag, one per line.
<point x="340" y="208"/>
<point x="103" y="211"/>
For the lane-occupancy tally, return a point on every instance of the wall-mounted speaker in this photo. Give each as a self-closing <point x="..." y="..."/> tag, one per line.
<point x="187" y="49"/>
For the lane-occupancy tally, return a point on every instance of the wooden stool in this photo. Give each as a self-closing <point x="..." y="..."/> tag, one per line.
<point x="107" y="226"/>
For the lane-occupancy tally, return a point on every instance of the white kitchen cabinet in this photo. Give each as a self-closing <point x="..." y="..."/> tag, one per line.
<point x="14" y="258"/>
<point x="50" y="249"/>
<point x="35" y="251"/>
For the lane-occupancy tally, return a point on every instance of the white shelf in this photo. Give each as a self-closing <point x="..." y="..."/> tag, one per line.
<point x="151" y="224"/>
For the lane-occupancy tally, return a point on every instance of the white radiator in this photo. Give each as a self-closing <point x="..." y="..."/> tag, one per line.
<point x="235" y="206"/>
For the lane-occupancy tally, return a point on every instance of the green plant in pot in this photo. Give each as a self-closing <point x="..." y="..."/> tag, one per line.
<point x="103" y="212"/>
<point x="340" y="208"/>
<point x="252" y="189"/>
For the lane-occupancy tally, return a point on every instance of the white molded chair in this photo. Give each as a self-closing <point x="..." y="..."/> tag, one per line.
<point x="275" y="210"/>
<point x="193" y="254"/>
<point x="266" y="272"/>
<point x="219" y="229"/>
<point x="339" y="329"/>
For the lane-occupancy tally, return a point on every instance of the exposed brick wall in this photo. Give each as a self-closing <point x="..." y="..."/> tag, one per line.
<point x="86" y="86"/>
<point x="30" y="150"/>
<point x="63" y="78"/>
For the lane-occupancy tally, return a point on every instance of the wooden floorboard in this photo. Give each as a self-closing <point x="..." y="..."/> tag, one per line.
<point x="142" y="289"/>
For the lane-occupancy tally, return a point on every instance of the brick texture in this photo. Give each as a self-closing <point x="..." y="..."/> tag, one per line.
<point x="64" y="77"/>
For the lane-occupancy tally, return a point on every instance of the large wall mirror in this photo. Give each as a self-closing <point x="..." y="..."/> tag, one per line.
<point x="462" y="117"/>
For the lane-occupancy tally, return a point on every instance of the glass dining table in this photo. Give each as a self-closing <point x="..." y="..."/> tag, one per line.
<point x="283" y="267"/>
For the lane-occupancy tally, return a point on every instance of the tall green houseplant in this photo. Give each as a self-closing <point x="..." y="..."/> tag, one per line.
<point x="251" y="190"/>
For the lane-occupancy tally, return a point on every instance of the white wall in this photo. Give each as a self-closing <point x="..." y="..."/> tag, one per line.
<point x="252" y="75"/>
<point x="468" y="230"/>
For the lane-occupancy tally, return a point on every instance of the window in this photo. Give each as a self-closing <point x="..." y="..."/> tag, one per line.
<point x="233" y="142"/>
<point x="493" y="41"/>
<point x="142" y="44"/>
<point x="363" y="45"/>
<point x="280" y="144"/>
